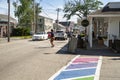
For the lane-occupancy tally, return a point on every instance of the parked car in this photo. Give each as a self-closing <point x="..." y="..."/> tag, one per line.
<point x="40" y="36"/>
<point x="60" y="35"/>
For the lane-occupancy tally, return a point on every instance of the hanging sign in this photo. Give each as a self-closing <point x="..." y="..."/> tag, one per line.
<point x="85" y="23"/>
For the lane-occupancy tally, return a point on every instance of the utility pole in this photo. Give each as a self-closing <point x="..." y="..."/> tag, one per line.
<point x="34" y="17"/>
<point x="8" y="28"/>
<point x="57" y="21"/>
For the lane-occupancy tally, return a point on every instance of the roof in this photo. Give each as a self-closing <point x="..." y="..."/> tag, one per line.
<point x="65" y="23"/>
<point x="5" y="18"/>
<point x="112" y="6"/>
<point x="61" y="26"/>
<point x="45" y="17"/>
<point x="112" y="9"/>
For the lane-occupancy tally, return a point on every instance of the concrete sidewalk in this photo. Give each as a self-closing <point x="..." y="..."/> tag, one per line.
<point x="110" y="62"/>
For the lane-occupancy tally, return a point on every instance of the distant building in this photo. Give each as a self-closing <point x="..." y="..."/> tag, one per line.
<point x="45" y="24"/>
<point x="60" y="27"/>
<point x="4" y="24"/>
<point x="68" y="25"/>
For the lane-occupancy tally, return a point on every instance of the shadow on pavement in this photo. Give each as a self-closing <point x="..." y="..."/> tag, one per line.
<point x="64" y="50"/>
<point x="115" y="59"/>
<point x="90" y="52"/>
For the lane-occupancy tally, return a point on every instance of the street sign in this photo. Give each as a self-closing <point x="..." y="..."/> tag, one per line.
<point x="85" y="23"/>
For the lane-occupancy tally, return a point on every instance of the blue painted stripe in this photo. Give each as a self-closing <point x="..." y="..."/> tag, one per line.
<point x="75" y="73"/>
<point x="83" y="65"/>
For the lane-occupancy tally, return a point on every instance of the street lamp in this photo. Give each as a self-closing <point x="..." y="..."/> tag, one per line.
<point x="8" y="29"/>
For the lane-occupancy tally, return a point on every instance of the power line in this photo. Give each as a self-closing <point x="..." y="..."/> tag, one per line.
<point x="45" y="13"/>
<point x="49" y="4"/>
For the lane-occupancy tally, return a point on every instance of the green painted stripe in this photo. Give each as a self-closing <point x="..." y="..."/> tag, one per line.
<point x="88" y="78"/>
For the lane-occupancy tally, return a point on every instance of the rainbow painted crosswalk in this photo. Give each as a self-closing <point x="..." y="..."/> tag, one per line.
<point x="80" y="68"/>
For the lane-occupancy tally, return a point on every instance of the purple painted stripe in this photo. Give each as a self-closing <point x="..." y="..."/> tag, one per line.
<point x="85" y="65"/>
<point x="78" y="60"/>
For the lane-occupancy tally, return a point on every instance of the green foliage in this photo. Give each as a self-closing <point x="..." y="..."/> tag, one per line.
<point x="82" y="35"/>
<point x="21" y="32"/>
<point x="24" y="11"/>
<point x="81" y="8"/>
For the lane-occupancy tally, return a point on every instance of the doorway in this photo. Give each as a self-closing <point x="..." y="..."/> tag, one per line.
<point x="99" y="33"/>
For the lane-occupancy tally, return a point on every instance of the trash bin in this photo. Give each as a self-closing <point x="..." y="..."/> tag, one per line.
<point x="80" y="42"/>
<point x="72" y="44"/>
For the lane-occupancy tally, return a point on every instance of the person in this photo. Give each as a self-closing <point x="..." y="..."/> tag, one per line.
<point x="52" y="38"/>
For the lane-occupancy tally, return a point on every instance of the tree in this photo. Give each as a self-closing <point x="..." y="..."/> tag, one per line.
<point x="81" y="8"/>
<point x="37" y="11"/>
<point x="25" y="12"/>
<point x="21" y="10"/>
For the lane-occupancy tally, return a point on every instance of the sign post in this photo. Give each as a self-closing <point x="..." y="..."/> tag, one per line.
<point x="85" y="23"/>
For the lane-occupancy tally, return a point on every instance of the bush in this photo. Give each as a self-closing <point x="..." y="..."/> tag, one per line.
<point x="20" y="32"/>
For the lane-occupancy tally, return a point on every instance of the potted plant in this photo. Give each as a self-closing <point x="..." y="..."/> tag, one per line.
<point x="104" y="37"/>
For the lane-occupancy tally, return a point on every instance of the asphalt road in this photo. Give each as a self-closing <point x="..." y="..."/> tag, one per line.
<point x="31" y="60"/>
<point x="36" y="60"/>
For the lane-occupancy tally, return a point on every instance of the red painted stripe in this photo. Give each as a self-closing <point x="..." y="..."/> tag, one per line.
<point x="78" y="60"/>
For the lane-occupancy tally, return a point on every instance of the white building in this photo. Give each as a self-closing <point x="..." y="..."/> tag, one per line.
<point x="105" y="23"/>
<point x="4" y="24"/>
<point x="44" y="24"/>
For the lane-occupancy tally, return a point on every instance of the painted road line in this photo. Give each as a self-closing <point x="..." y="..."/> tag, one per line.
<point x="86" y="66"/>
<point x="97" y="74"/>
<point x="91" y="77"/>
<point x="63" y="68"/>
<point x="75" y="73"/>
<point x="86" y="60"/>
<point x="78" y="69"/>
<point x="74" y="66"/>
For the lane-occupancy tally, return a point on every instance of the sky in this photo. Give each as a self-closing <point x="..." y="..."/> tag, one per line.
<point x="48" y="8"/>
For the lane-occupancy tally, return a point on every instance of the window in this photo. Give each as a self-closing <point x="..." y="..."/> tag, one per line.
<point x="40" y="20"/>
